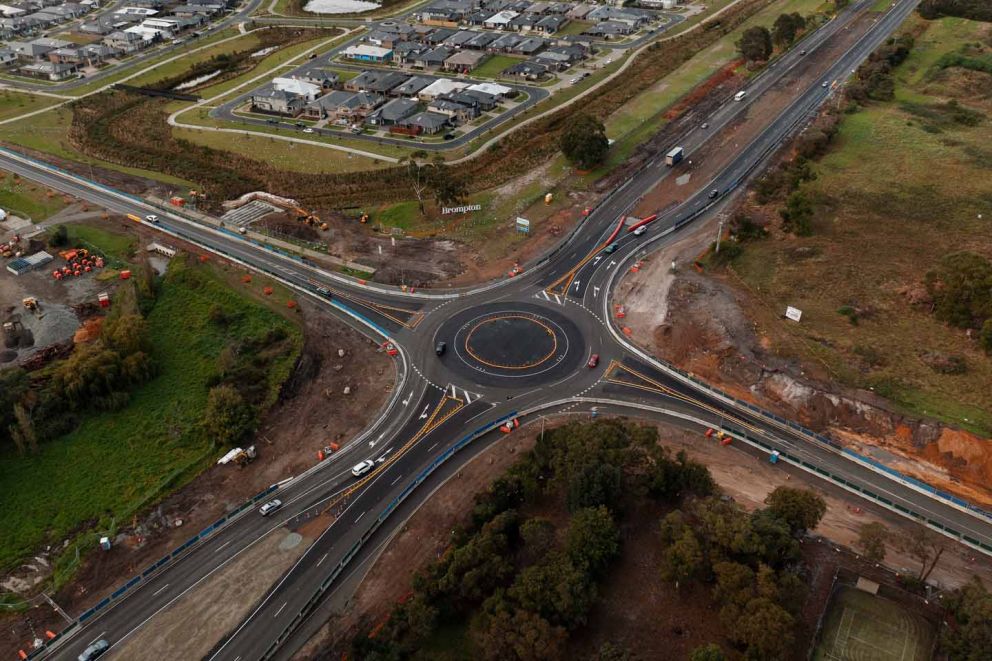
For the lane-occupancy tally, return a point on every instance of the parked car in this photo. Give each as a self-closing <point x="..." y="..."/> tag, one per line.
<point x="640" y="230"/>
<point x="362" y="468"/>
<point x="271" y="121"/>
<point x="449" y="136"/>
<point x="151" y="218"/>
<point x="575" y="81"/>
<point x="440" y="347"/>
<point x="308" y="130"/>
<point x="94" y="651"/>
<point x="593" y="361"/>
<point x="270" y="507"/>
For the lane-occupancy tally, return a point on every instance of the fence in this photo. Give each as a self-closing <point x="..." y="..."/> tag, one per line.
<point x="150" y="571"/>
<point x="389" y="509"/>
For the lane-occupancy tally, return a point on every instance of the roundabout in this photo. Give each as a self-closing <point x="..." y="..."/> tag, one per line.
<point x="511" y="344"/>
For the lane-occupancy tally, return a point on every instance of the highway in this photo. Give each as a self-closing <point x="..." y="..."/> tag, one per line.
<point x="514" y="349"/>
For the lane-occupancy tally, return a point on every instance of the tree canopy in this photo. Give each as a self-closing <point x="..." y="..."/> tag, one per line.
<point x="584" y="142"/>
<point x="755" y="44"/>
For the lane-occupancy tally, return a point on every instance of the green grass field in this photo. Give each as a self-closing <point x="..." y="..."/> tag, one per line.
<point x="13" y="103"/>
<point x="864" y="626"/>
<point x="114" y="464"/>
<point x="27" y="199"/>
<point x="900" y="188"/>
<point x="494" y="66"/>
<point x="117" y="247"/>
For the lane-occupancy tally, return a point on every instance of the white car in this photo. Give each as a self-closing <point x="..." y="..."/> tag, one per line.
<point x="640" y="230"/>
<point x="270" y="507"/>
<point x="308" y="130"/>
<point x="362" y="468"/>
<point x="575" y="81"/>
<point x="825" y="83"/>
<point x="152" y="218"/>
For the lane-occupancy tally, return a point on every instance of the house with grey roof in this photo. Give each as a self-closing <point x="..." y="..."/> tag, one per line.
<point x="343" y="105"/>
<point x="412" y="86"/>
<point x="278" y="102"/>
<point x="456" y="112"/>
<point x="393" y="112"/>
<point x="429" y="123"/>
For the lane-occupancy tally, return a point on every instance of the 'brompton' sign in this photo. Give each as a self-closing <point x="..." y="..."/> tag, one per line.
<point x="465" y="209"/>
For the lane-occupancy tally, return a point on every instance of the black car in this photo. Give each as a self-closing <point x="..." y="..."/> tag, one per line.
<point x="94" y="651"/>
<point x="439" y="348"/>
<point x="449" y="136"/>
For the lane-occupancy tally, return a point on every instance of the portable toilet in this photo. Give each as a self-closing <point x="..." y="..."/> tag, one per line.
<point x="105" y="543"/>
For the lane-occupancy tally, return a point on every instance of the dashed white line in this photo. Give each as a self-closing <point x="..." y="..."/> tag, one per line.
<point x="322" y="558"/>
<point x="432" y="447"/>
<point x="360" y="517"/>
<point x="156" y="593"/>
<point x="280" y="610"/>
<point x="222" y="546"/>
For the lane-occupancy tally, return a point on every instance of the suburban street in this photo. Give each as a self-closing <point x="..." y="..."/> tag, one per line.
<point x="514" y="350"/>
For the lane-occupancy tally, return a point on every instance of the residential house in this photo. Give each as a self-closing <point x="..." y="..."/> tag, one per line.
<point x="504" y="43"/>
<point x="500" y="20"/>
<point x="278" y="102"/>
<point x="465" y="61"/>
<point x="49" y="70"/>
<point x="429" y="123"/>
<point x="439" y="88"/>
<point x="350" y="107"/>
<point x="459" y="39"/>
<point x="434" y="58"/>
<point x="368" y="53"/>
<point x="406" y="52"/>
<point x="326" y="80"/>
<point x="378" y="82"/>
<point x="308" y="91"/>
<point x="550" y="24"/>
<point x="580" y="11"/>
<point x="528" y="46"/>
<point x="610" y="29"/>
<point x="436" y="37"/>
<point x="395" y="111"/>
<point x="412" y="86"/>
<point x="485" y="100"/>
<point x="470" y="100"/>
<point x="528" y="70"/>
<point x="498" y="91"/>
<point x="125" y="42"/>
<point x="455" y="112"/>
<point x="7" y="56"/>
<point x="480" y="40"/>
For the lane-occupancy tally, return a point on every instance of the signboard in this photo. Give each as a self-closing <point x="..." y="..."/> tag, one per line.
<point x="463" y="209"/>
<point x="523" y="225"/>
<point x="793" y="313"/>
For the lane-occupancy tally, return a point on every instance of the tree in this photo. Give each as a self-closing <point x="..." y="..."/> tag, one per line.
<point x="765" y="628"/>
<point x="58" y="237"/>
<point x="871" y="540"/>
<point x="970" y="636"/>
<point x="23" y="432"/>
<point x="985" y="337"/>
<point x="797" y="216"/>
<point x="841" y="4"/>
<point x="518" y="635"/>
<point x="538" y="535"/>
<point x="683" y="559"/>
<point x="927" y="547"/>
<point x="755" y="44"/>
<point x="710" y="652"/>
<point x="555" y="589"/>
<point x="594" y="485"/>
<point x="432" y="176"/>
<point x="13" y="385"/>
<point x="769" y="539"/>
<point x="584" y="142"/>
<point x="609" y="651"/>
<point x="961" y="288"/>
<point x="784" y="30"/>
<point x="593" y="539"/>
<point x="801" y="509"/>
<point x="228" y="419"/>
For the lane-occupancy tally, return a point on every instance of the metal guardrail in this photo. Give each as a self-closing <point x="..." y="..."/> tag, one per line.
<point x="389" y="509"/>
<point x="151" y="570"/>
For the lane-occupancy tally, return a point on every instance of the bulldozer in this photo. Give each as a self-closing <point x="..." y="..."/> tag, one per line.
<point x="15" y="335"/>
<point x="30" y="303"/>
<point x="240" y="456"/>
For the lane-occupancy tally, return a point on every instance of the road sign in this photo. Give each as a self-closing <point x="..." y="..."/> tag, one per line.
<point x="523" y="225"/>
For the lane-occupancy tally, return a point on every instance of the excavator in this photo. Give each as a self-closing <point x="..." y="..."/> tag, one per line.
<point x="310" y="218"/>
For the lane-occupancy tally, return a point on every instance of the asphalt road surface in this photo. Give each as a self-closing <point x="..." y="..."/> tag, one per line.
<point x="518" y="348"/>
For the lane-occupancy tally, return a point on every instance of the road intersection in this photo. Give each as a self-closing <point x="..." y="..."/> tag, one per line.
<point x="515" y="350"/>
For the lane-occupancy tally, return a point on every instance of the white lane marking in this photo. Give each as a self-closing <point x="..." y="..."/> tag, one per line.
<point x="468" y="397"/>
<point x="557" y="300"/>
<point x="96" y="639"/>
<point x="595" y="292"/>
<point x="408" y="397"/>
<point x="360" y="517"/>
<point x="280" y="609"/>
<point x="546" y="297"/>
<point x="423" y="414"/>
<point x="222" y="546"/>
<point x="611" y="264"/>
<point x="577" y="285"/>
<point x="432" y="447"/>
<point x="372" y="443"/>
<point x="322" y="558"/>
<point x="156" y="593"/>
<point x="396" y="480"/>
<point x="596" y="261"/>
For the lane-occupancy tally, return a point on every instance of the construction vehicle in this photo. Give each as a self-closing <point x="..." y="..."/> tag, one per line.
<point x="31" y="303"/>
<point x="365" y="218"/>
<point x="304" y="216"/>
<point x="136" y="219"/>
<point x="239" y="456"/>
<point x="15" y="334"/>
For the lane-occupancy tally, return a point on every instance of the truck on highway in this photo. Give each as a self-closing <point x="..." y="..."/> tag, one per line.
<point x="674" y="156"/>
<point x="740" y="95"/>
<point x="131" y="216"/>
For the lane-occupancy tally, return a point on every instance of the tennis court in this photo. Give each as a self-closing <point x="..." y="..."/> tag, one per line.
<point x="865" y="627"/>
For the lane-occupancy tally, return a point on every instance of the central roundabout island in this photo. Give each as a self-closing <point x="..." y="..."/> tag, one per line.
<point x="511" y="344"/>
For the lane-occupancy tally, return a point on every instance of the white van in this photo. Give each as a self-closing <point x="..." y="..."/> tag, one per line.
<point x="740" y="95"/>
<point x="362" y="468"/>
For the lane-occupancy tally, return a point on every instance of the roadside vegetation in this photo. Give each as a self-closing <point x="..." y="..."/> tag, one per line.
<point x="27" y="199"/>
<point x="523" y="580"/>
<point x="881" y="218"/>
<point x="134" y="412"/>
